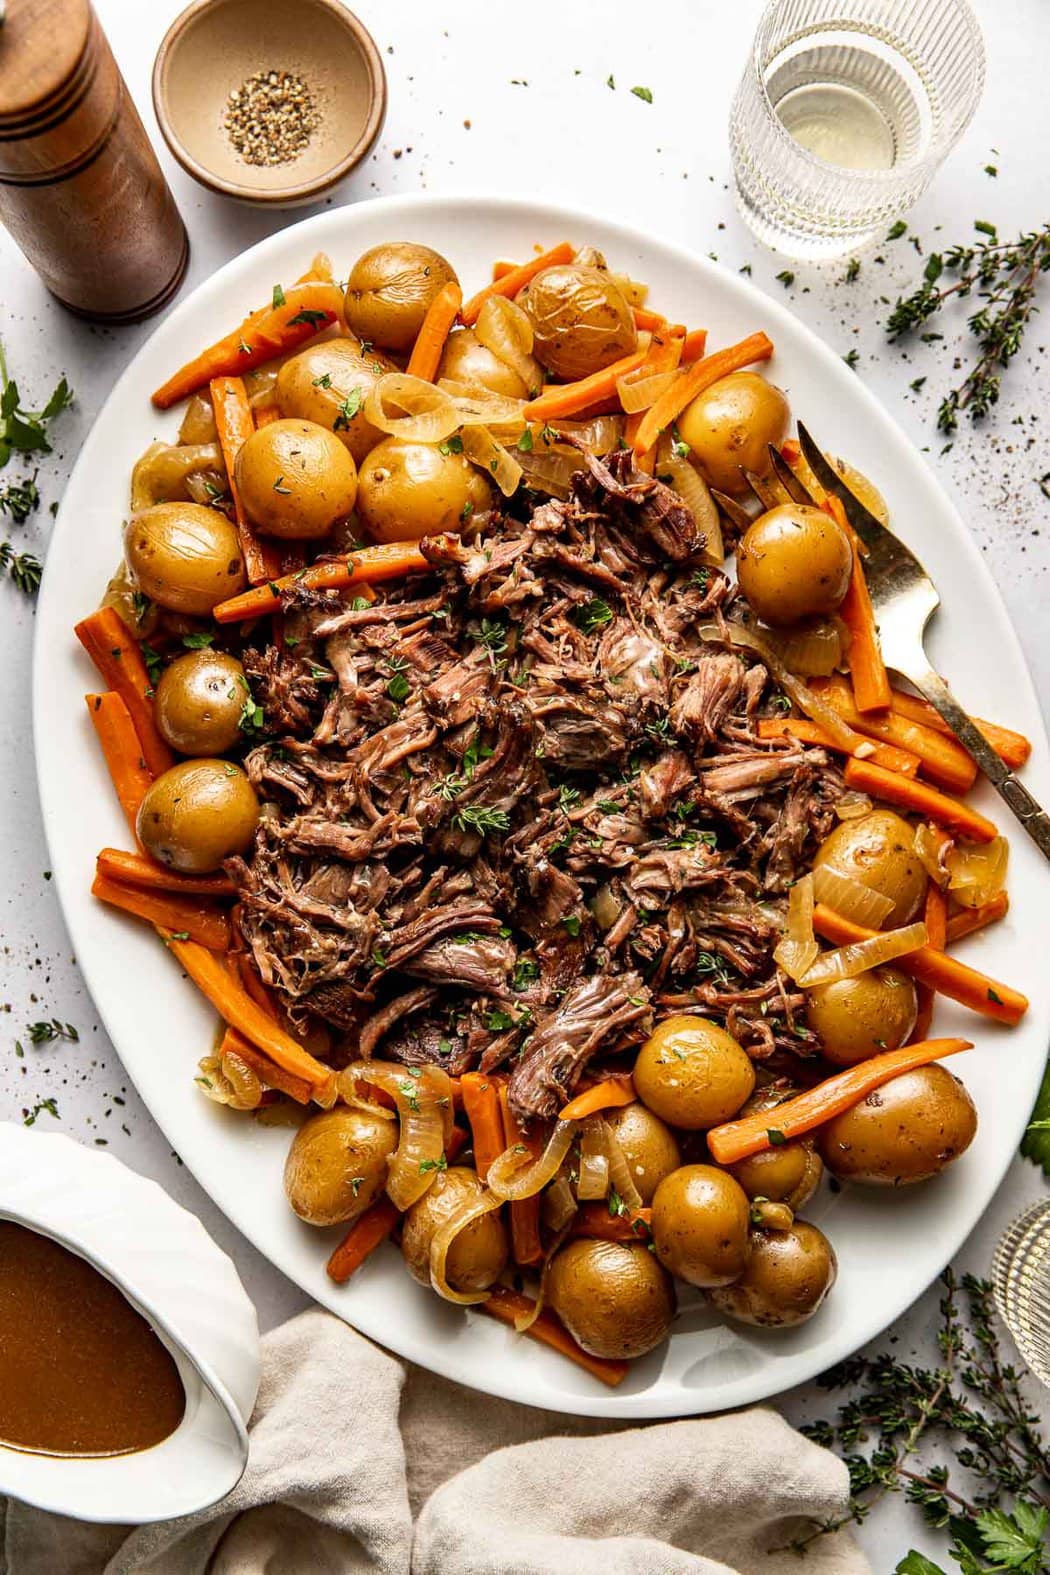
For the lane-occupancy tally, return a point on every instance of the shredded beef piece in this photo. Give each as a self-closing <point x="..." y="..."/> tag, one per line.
<point x="565" y="1040"/>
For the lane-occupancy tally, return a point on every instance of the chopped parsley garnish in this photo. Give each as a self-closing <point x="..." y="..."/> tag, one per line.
<point x="644" y="93"/>
<point x="571" y="922"/>
<point x="278" y="296"/>
<point x="452" y="445"/>
<point x="525" y="441"/>
<point x="348" y="409"/>
<point x="315" y="319"/>
<point x="324" y="381"/>
<point x="197" y="642"/>
<point x="279" y="486"/>
<point x="592" y="615"/>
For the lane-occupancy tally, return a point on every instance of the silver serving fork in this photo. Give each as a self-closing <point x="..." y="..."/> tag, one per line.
<point x="903" y="598"/>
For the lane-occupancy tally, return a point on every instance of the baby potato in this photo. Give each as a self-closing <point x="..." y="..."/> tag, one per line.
<point x="198" y="702"/>
<point x="856" y="1018"/>
<point x="479" y="1253"/>
<point x="295" y="479"/>
<point x="197" y="814"/>
<point x="408" y="490"/>
<point x="729" y="428"/>
<point x="788" y="1275"/>
<point x="328" y="383"/>
<point x="648" y="1146"/>
<point x="337" y="1165"/>
<point x="692" y="1073"/>
<point x="466" y="360"/>
<point x="700" y="1224"/>
<point x="905" y="1131"/>
<point x="878" y="851"/>
<point x="613" y="1297"/>
<point x="794" y="562"/>
<point x="389" y="290"/>
<point x="184" y="556"/>
<point x="581" y="320"/>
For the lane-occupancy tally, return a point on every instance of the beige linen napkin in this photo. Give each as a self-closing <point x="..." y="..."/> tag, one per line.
<point x="347" y="1444"/>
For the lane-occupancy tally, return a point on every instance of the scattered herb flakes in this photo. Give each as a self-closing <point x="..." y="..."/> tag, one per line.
<point x="42" y="1105"/>
<point x="571" y="922"/>
<point x="852" y="271"/>
<point x="324" y="381"/>
<point x="525" y="441"/>
<point x="481" y="818"/>
<point x="310" y="318"/>
<point x="592" y="615"/>
<point x="896" y="230"/>
<point x="776" y="1138"/>
<point x="610" y="81"/>
<point x="348" y="409"/>
<point x="25" y="431"/>
<point x="644" y="93"/>
<point x="24" y="568"/>
<point x="278" y="296"/>
<point x="991" y="169"/>
<point x="916" y="384"/>
<point x="19" y="499"/>
<point x="44" y="1033"/>
<point x="280" y="487"/>
<point x="851" y="358"/>
<point x="197" y="642"/>
<point x="786" y="278"/>
<point x="452" y="445"/>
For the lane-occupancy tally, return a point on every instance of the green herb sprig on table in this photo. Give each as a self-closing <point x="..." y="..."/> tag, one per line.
<point x="990" y="1490"/>
<point x="1004" y="277"/>
<point x="23" y="432"/>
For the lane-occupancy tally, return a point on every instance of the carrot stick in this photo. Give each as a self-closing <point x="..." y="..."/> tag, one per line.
<point x="645" y="317"/>
<point x="481" y="1107"/>
<point x="119" y="660"/>
<point x="388" y="562"/>
<point x="195" y="920"/>
<point x="808" y="732"/>
<point x="749" y="1135"/>
<point x="594" y="1219"/>
<point x="935" y="915"/>
<point x="694" y="345"/>
<point x="573" y="399"/>
<point x="942" y="759"/>
<point x="643" y="462"/>
<point x="509" y="1306"/>
<point x="756" y="347"/>
<point x="236" y="1007"/>
<point x="235" y="424"/>
<point x="120" y="745"/>
<point x="271" y="331"/>
<point x="610" y="1093"/>
<point x="133" y="869"/>
<point x="907" y="794"/>
<point x="969" y="920"/>
<point x="1012" y="748"/>
<point x="515" y="279"/>
<point x="871" y="687"/>
<point x="944" y="974"/>
<point x="364" y="1236"/>
<point x="265" y="1070"/>
<point x="437" y="324"/>
<point x="526" y="1246"/>
<point x="501" y="269"/>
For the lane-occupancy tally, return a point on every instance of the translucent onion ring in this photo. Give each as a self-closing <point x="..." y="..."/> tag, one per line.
<point x="797" y="950"/>
<point x="977" y="871"/>
<point x="846" y="962"/>
<point x="505" y="330"/>
<point x="512" y="1181"/>
<point x="852" y="805"/>
<point x="160" y="474"/>
<point x="550" y="469"/>
<point x="427" y="414"/>
<point x="813" y="652"/>
<point x="472" y="1208"/>
<point x="482" y="450"/>
<point x="599" y="435"/>
<point x="423" y="1096"/>
<point x="593" y="1184"/>
<point x="850" y="898"/>
<point x="695" y="494"/>
<point x="476" y="406"/>
<point x="620" y="1172"/>
<point x="644" y="391"/>
<point x="809" y="704"/>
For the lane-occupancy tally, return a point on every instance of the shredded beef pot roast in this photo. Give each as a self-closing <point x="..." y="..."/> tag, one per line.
<point x="517" y="810"/>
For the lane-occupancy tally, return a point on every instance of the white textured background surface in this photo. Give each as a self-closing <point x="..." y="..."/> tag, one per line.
<point x="531" y="82"/>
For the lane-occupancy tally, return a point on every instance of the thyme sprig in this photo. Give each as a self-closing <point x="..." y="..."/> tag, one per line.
<point x="1004" y="276"/>
<point x="990" y="1490"/>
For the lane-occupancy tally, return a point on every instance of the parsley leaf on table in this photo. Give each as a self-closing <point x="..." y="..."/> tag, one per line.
<point x="1035" y="1145"/>
<point x="25" y="431"/>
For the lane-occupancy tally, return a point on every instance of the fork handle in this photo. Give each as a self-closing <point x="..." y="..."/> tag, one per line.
<point x="1019" y="801"/>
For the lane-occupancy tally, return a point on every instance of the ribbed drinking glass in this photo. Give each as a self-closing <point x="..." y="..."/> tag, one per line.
<point x="1021" y="1282"/>
<point x="844" y="113"/>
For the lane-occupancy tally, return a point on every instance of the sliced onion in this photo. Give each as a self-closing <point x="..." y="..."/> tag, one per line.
<point x="634" y="292"/>
<point x="932" y="846"/>
<point x="476" y="406"/>
<point x="620" y="1172"/>
<point x="550" y="469"/>
<point x="797" y="950"/>
<point x="482" y="450"/>
<point x="160" y="475"/>
<point x="506" y="330"/>
<point x="472" y="1208"/>
<point x="600" y="435"/>
<point x="851" y="899"/>
<point x="198" y="424"/>
<point x="846" y="962"/>
<point x="695" y="494"/>
<point x="559" y="1203"/>
<point x="513" y="1176"/>
<point x="227" y="1080"/>
<point x="852" y="805"/>
<point x="594" y="1162"/>
<point x="423" y="1096"/>
<point x="811" y="652"/>
<point x="260" y="386"/>
<point x="977" y="871"/>
<point x="643" y="392"/>
<point x="407" y="407"/>
<point x="809" y="704"/>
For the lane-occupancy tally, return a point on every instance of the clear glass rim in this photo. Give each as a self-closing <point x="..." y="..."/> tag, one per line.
<point x="875" y="179"/>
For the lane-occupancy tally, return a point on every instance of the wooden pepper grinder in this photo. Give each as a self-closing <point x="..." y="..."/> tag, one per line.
<point x="81" y="191"/>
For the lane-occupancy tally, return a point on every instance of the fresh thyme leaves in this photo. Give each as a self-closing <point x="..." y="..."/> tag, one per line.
<point x="19" y="499"/>
<point x="24" y="568"/>
<point x="991" y="1488"/>
<point x="481" y="818"/>
<point x="45" y="1033"/>
<point x="1004" y="277"/>
<point x="25" y="431"/>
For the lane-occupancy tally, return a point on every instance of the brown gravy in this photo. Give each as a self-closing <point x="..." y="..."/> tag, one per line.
<point x="81" y="1372"/>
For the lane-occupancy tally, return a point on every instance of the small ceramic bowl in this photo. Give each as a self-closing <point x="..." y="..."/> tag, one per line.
<point x="217" y="45"/>
<point x="169" y="1268"/>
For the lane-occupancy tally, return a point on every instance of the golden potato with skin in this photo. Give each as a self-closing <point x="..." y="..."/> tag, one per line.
<point x="581" y="320"/>
<point x="466" y="360"/>
<point x="878" y="851"/>
<point x="337" y="1165"/>
<point x="788" y="1275"/>
<point x="647" y="1144"/>
<point x="906" y="1131"/>
<point x="198" y="702"/>
<point x="794" y="562"/>
<point x="295" y="480"/>
<point x="197" y="814"/>
<point x="389" y="290"/>
<point x="692" y="1074"/>
<point x="700" y="1223"/>
<point x="408" y="490"/>
<point x="478" y="1255"/>
<point x="729" y="428"/>
<point x="856" y="1018"/>
<point x="613" y="1297"/>
<point x="328" y="382"/>
<point x="184" y="556"/>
